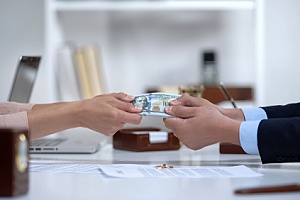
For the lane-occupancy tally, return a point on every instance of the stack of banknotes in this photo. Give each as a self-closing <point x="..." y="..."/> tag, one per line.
<point x="153" y="104"/>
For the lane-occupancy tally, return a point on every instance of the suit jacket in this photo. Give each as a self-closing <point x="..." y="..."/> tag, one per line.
<point x="279" y="135"/>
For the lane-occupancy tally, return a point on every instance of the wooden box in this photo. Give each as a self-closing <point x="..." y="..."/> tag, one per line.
<point x="127" y="139"/>
<point x="14" y="162"/>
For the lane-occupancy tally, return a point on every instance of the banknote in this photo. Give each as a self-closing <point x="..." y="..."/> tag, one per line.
<point x="153" y="104"/>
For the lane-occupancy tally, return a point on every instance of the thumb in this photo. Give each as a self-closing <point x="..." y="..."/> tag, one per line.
<point x="180" y="111"/>
<point x="187" y="100"/>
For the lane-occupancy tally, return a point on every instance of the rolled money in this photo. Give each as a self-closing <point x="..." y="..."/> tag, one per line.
<point x="153" y="104"/>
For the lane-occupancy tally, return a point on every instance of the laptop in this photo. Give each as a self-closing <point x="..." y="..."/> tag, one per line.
<point x="24" y="79"/>
<point x="21" y="89"/>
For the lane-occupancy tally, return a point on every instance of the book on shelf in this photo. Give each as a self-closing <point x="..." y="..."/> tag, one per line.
<point x="91" y="57"/>
<point x="68" y="84"/>
<point x="79" y="72"/>
<point x="82" y="74"/>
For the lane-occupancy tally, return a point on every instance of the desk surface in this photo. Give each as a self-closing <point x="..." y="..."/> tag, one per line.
<point x="94" y="186"/>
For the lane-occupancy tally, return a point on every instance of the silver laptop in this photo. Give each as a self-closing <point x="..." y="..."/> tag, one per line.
<point x="24" y="79"/>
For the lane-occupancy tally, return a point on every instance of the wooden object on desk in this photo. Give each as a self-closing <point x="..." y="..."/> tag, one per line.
<point x="228" y="148"/>
<point x="14" y="162"/>
<point x="125" y="139"/>
<point x="214" y="94"/>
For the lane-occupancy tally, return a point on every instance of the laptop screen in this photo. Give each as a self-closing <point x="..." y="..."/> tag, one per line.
<point x="24" y="79"/>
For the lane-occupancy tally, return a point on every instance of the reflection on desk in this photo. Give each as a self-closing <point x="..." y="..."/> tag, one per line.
<point x="93" y="186"/>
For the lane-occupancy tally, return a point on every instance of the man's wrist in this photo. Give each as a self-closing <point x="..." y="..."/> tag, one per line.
<point x="234" y="113"/>
<point x="254" y="114"/>
<point x="248" y="136"/>
<point x="230" y="132"/>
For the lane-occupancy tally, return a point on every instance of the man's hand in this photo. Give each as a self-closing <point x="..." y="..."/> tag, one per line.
<point x="189" y="101"/>
<point x="198" y="123"/>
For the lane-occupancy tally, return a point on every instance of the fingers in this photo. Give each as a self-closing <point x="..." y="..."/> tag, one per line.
<point x="124" y="103"/>
<point x="127" y="106"/>
<point x="180" y="111"/>
<point x="131" y="118"/>
<point x="120" y="100"/>
<point x="173" y="123"/>
<point x="123" y="97"/>
<point x="186" y="100"/>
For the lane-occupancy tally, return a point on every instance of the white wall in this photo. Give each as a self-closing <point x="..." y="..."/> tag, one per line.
<point x="148" y="49"/>
<point x="282" y="79"/>
<point x="152" y="41"/>
<point x="21" y="33"/>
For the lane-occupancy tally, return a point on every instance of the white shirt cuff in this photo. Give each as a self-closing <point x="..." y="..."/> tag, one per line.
<point x="254" y="114"/>
<point x="14" y="120"/>
<point x="248" y="136"/>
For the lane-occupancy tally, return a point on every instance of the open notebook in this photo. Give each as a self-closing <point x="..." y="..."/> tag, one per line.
<point x="24" y="79"/>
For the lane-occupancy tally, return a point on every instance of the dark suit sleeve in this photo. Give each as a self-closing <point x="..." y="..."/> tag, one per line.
<point x="279" y="136"/>
<point x="283" y="111"/>
<point x="279" y="139"/>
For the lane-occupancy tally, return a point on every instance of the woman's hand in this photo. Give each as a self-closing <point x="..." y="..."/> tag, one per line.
<point x="105" y="114"/>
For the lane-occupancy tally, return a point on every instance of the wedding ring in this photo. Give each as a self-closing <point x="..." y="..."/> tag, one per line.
<point x="163" y="166"/>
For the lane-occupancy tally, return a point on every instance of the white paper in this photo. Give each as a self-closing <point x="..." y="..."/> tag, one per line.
<point x="147" y="171"/>
<point x="64" y="168"/>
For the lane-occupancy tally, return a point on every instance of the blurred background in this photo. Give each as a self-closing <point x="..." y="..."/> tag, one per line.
<point x="149" y="44"/>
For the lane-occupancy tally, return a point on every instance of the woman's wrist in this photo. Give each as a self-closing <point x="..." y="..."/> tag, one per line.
<point x="45" y="120"/>
<point x="73" y="113"/>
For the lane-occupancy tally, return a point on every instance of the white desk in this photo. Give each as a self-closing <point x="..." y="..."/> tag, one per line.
<point x="54" y="186"/>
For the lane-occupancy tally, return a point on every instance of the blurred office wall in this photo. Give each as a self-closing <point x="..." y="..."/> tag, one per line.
<point x="282" y="51"/>
<point x="21" y="24"/>
<point x="21" y="33"/>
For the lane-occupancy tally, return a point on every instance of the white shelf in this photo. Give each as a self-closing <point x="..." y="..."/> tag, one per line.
<point x="66" y="6"/>
<point x="55" y="26"/>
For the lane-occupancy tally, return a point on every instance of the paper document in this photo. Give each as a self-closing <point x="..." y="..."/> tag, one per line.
<point x="142" y="171"/>
<point x="64" y="168"/>
<point x="145" y="171"/>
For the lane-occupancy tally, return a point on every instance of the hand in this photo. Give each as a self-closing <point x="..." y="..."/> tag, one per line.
<point x="197" y="127"/>
<point x="104" y="113"/>
<point x="109" y="113"/>
<point x="186" y="100"/>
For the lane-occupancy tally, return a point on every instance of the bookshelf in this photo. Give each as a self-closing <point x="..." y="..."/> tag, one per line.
<point x="67" y="6"/>
<point x="59" y="14"/>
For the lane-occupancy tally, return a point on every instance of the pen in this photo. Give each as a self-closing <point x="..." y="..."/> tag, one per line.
<point x="227" y="95"/>
<point x="269" y="189"/>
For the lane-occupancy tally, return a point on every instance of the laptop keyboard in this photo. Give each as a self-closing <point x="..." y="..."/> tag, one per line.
<point x="47" y="142"/>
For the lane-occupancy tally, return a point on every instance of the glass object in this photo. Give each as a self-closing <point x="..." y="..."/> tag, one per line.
<point x="192" y="90"/>
<point x="210" y="75"/>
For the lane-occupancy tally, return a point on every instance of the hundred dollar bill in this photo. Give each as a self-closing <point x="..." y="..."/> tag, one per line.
<point x="153" y="104"/>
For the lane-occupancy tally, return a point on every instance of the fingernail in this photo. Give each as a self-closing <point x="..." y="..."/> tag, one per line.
<point x="130" y="96"/>
<point x="174" y="101"/>
<point x="168" y="108"/>
<point x="138" y="107"/>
